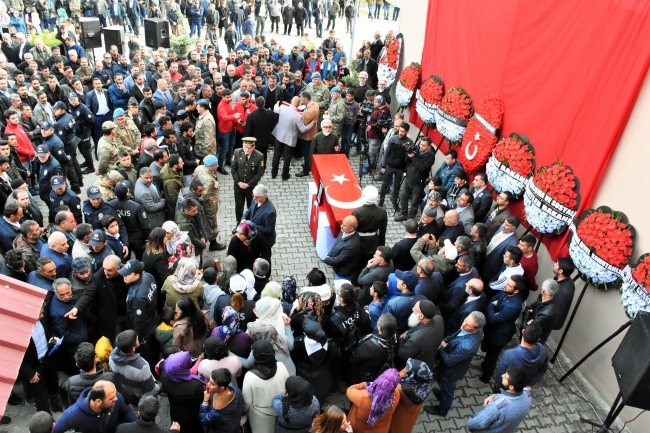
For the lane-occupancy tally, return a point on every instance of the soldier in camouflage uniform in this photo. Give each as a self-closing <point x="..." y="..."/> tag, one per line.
<point x="336" y="111"/>
<point x="126" y="133"/>
<point x="207" y="174"/>
<point x="108" y="148"/>
<point x="320" y="95"/>
<point x="205" y="131"/>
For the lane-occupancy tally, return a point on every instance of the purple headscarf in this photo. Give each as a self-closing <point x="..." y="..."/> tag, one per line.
<point x="382" y="393"/>
<point x="177" y="366"/>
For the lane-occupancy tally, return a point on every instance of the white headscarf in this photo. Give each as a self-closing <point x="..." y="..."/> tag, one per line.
<point x="269" y="310"/>
<point x="250" y="283"/>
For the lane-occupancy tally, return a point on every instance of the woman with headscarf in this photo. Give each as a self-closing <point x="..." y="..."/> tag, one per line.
<point x="332" y="420"/>
<point x="184" y="390"/>
<point x="237" y="299"/>
<point x="309" y="307"/>
<point x="282" y="345"/>
<point x="250" y="284"/>
<point x="316" y="358"/>
<point x="373" y="403"/>
<point x="238" y="341"/>
<point x="178" y="243"/>
<point x="223" y="404"/>
<point x="155" y="260"/>
<point x="191" y="327"/>
<point x="375" y="352"/>
<point x="289" y="287"/>
<point x="186" y="281"/>
<point x="217" y="355"/>
<point x="296" y="407"/>
<point x="247" y="245"/>
<point x="416" y="384"/>
<point x="261" y="384"/>
<point x="273" y="289"/>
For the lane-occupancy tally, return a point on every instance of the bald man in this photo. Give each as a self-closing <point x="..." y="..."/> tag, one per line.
<point x="344" y="255"/>
<point x="452" y="228"/>
<point x="476" y="301"/>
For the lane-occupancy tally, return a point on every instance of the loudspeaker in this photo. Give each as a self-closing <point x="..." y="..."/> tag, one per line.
<point x="91" y="33"/>
<point x="156" y="33"/>
<point x="631" y="363"/>
<point x="114" y="35"/>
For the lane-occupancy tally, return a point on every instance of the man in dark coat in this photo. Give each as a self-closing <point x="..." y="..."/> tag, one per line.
<point x="563" y="268"/>
<point x="260" y="124"/>
<point x="497" y="247"/>
<point x="543" y="311"/>
<point x="402" y="258"/>
<point x="476" y="301"/>
<point x="417" y="170"/>
<point x="454" y="294"/>
<point x="148" y="407"/>
<point x="482" y="197"/>
<point x="372" y="221"/>
<point x="345" y="253"/>
<point x="423" y="338"/>
<point x="262" y="213"/>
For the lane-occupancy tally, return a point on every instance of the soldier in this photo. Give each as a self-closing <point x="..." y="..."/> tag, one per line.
<point x="126" y="133"/>
<point x="108" y="148"/>
<point x="48" y="167"/>
<point x="55" y="147"/>
<point x="61" y="195"/>
<point x="135" y="114"/>
<point x="106" y="184"/>
<point x="66" y="131"/>
<point x="247" y="170"/>
<point x="205" y="132"/>
<point x="84" y="123"/>
<point x="124" y="167"/>
<point x="320" y="95"/>
<point x="336" y="111"/>
<point x="134" y="217"/>
<point x="207" y="174"/>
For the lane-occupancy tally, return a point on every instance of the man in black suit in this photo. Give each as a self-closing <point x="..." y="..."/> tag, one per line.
<point x="476" y="301"/>
<point x="370" y="66"/>
<point x="9" y="50"/>
<point x="423" y="337"/>
<point x="482" y="197"/>
<point x="345" y="253"/>
<point x="260" y="124"/>
<point x="544" y="311"/>
<point x="454" y="294"/>
<point x="402" y="258"/>
<point x="148" y="407"/>
<point x="137" y="90"/>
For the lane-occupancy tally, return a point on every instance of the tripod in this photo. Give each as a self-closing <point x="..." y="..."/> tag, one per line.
<point x="616" y="408"/>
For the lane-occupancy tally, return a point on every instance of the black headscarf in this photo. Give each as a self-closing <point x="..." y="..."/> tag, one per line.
<point x="265" y="365"/>
<point x="301" y="394"/>
<point x="313" y="330"/>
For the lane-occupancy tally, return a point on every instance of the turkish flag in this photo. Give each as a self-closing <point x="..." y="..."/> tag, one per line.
<point x="319" y="226"/>
<point x="342" y="192"/>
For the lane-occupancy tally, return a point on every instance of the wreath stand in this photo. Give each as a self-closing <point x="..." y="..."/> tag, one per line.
<point x="614" y="411"/>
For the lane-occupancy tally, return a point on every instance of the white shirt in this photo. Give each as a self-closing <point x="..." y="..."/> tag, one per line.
<point x="102" y="103"/>
<point x="503" y="277"/>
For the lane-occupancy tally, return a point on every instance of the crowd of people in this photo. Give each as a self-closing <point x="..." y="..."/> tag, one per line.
<point x="134" y="308"/>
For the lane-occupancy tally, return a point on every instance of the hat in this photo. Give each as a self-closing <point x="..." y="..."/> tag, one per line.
<point x="107" y="125"/>
<point x="80" y="264"/>
<point x="363" y="74"/>
<point x="115" y="176"/>
<point x="201" y="101"/>
<point x="370" y="194"/>
<point x="210" y="161"/>
<point x="57" y="182"/>
<point x="93" y="192"/>
<point x="72" y="95"/>
<point x="315" y="75"/>
<point x="325" y="122"/>
<point x="182" y="114"/>
<point x="379" y="99"/>
<point x="60" y="105"/>
<point x="430" y="211"/>
<point x="42" y="150"/>
<point x="335" y="89"/>
<point x="46" y="125"/>
<point x="428" y="308"/>
<point x="251" y="140"/>
<point x="409" y="278"/>
<point x="133" y="266"/>
<point x="97" y="238"/>
<point x="133" y="102"/>
<point x="237" y="283"/>
<point x="118" y="113"/>
<point x="382" y="81"/>
<point x="121" y="190"/>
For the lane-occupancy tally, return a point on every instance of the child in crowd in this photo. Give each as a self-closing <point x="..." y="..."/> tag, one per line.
<point x="112" y="229"/>
<point x="165" y="331"/>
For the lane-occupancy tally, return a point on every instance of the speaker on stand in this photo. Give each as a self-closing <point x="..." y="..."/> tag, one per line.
<point x="114" y="35"/>
<point x="91" y="37"/>
<point x="156" y="33"/>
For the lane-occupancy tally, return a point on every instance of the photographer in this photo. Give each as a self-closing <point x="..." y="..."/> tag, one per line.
<point x="418" y="165"/>
<point x="380" y="118"/>
<point x="394" y="161"/>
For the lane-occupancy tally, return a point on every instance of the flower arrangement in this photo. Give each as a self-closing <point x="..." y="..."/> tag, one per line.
<point x="427" y="98"/>
<point x="408" y="81"/>
<point x="551" y="198"/>
<point x="635" y="291"/>
<point x="601" y="245"/>
<point x="389" y="62"/>
<point x="480" y="135"/>
<point x="453" y="113"/>
<point x="512" y="161"/>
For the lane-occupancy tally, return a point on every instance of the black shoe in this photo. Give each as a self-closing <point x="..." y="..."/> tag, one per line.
<point x="14" y="400"/>
<point x="222" y="171"/>
<point x="216" y="246"/>
<point x="437" y="393"/>
<point x="81" y="183"/>
<point x="484" y="379"/>
<point x="88" y="170"/>
<point x="55" y="405"/>
<point x="434" y="410"/>
<point x="302" y="174"/>
<point x="287" y="177"/>
<point x="76" y="189"/>
<point x="400" y="217"/>
<point x="5" y="420"/>
<point x="273" y="176"/>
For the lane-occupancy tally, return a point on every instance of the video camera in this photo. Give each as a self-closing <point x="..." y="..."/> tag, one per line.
<point x="365" y="109"/>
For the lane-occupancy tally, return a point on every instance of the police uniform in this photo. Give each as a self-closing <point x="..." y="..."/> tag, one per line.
<point x="84" y="122"/>
<point x="93" y="216"/>
<point x="65" y="129"/>
<point x="45" y="172"/>
<point x="54" y="143"/>
<point x="68" y="198"/>
<point x="136" y="222"/>
<point x="248" y="169"/>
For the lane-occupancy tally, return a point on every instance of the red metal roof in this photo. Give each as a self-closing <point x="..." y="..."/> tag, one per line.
<point x="19" y="310"/>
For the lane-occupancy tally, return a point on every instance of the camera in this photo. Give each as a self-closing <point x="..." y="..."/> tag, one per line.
<point x="365" y="109"/>
<point x="412" y="148"/>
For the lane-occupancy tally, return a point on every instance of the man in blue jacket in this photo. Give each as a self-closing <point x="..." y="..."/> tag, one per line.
<point x="455" y="354"/>
<point x="447" y="171"/>
<point x="56" y="249"/>
<point x="502" y="312"/>
<point x="344" y="255"/>
<point x="196" y="17"/>
<point x="401" y="305"/>
<point x="71" y="331"/>
<point x="100" y="408"/>
<point x="10" y="226"/>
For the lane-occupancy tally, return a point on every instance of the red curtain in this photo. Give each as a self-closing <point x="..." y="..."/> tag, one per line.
<point x="569" y="73"/>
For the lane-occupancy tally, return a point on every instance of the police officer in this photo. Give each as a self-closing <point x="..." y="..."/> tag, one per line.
<point x="95" y="208"/>
<point x="66" y="131"/>
<point x="134" y="217"/>
<point x="141" y="308"/>
<point x="85" y="122"/>
<point x="247" y="169"/>
<point x="48" y="167"/>
<point x="61" y="195"/>
<point x="55" y="147"/>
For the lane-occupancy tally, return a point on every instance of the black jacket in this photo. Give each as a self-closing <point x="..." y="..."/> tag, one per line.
<point x="135" y="219"/>
<point x="185" y="397"/>
<point x="452" y="324"/>
<point x="246" y="314"/>
<point x="186" y="151"/>
<point x="260" y="124"/>
<point x="421" y="342"/>
<point x="320" y="368"/>
<point x="402" y="258"/>
<point x="344" y="255"/>
<point x="481" y="204"/>
<point x="478" y="251"/>
<point x="72" y="387"/>
<point x="140" y="426"/>
<point x="141" y="306"/>
<point x="418" y="166"/>
<point x="300" y="15"/>
<point x="396" y="152"/>
<point x="93" y="216"/>
<point x="544" y="313"/>
<point x="371" y="358"/>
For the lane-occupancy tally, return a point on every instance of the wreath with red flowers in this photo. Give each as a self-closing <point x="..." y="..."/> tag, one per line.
<point x="428" y="96"/>
<point x="641" y="272"/>
<point x="389" y="62"/>
<point x="454" y="111"/>
<point x="512" y="161"/>
<point x="408" y="81"/>
<point x="635" y="291"/>
<point x="559" y="182"/>
<point x="480" y="136"/>
<point x="601" y="245"/>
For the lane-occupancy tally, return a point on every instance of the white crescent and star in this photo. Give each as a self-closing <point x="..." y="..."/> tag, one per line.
<point x="340" y="178"/>
<point x="469" y="155"/>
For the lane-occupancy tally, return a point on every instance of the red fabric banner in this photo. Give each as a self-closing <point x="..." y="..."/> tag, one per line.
<point x="569" y="73"/>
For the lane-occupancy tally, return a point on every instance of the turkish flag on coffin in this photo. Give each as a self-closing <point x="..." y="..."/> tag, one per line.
<point x="342" y="193"/>
<point x="318" y="224"/>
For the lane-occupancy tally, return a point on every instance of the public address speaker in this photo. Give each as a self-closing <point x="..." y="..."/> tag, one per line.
<point x="91" y="33"/>
<point x="631" y="363"/>
<point x="156" y="33"/>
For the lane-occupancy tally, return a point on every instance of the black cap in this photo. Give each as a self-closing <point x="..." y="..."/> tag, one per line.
<point x="97" y="238"/>
<point x="132" y="266"/>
